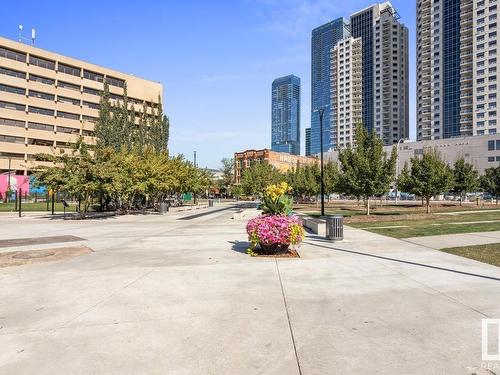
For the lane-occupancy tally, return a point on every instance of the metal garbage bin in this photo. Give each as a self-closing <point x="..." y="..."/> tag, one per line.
<point x="210" y="203"/>
<point x="335" y="228"/>
<point x="163" y="208"/>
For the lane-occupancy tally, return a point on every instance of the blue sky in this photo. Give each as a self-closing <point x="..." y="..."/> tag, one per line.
<point x="215" y="59"/>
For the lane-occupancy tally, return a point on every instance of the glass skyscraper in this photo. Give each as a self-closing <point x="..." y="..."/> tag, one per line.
<point x="323" y="39"/>
<point x="285" y="127"/>
<point x="308" y="141"/>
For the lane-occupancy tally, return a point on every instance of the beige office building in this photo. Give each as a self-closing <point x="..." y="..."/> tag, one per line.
<point x="47" y="100"/>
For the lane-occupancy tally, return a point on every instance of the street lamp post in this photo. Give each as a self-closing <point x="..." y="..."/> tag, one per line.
<point x="397" y="167"/>
<point x="194" y="163"/>
<point x="322" y="182"/>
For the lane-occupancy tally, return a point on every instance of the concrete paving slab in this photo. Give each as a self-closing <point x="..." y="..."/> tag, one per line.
<point x="455" y="240"/>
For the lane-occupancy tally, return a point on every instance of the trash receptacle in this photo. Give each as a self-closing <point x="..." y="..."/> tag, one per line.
<point x="335" y="228"/>
<point x="210" y="203"/>
<point x="163" y="208"/>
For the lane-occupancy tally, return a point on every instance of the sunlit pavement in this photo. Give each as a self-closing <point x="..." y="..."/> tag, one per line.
<point x="161" y="295"/>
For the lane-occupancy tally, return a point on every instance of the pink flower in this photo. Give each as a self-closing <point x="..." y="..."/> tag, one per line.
<point x="271" y="229"/>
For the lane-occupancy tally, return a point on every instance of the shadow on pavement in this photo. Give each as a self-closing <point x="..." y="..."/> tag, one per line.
<point x="240" y="246"/>
<point x="403" y="261"/>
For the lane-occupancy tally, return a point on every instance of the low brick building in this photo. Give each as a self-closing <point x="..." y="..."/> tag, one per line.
<point x="280" y="160"/>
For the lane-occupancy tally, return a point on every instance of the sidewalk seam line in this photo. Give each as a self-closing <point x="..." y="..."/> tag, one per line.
<point x="288" y="317"/>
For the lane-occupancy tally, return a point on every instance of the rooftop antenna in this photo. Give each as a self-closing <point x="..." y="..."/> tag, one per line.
<point x="27" y="40"/>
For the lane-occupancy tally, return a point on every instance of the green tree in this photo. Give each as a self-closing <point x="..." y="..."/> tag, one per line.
<point x="331" y="177"/>
<point x="465" y="178"/>
<point x="259" y="175"/>
<point x="227" y="169"/>
<point x="366" y="171"/>
<point x="429" y="176"/>
<point x="490" y="182"/>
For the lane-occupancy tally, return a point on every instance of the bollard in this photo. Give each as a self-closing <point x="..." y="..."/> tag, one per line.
<point x="20" y="199"/>
<point x="334" y="228"/>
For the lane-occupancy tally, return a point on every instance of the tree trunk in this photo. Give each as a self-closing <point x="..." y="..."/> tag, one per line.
<point x="428" y="204"/>
<point x="368" y="206"/>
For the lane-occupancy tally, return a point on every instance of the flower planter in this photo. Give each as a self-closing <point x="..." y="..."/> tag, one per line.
<point x="275" y="248"/>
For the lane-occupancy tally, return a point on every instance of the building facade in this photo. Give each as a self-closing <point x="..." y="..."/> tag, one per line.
<point x="323" y="39"/>
<point x="481" y="151"/>
<point x="308" y="141"/>
<point x="280" y="160"/>
<point x="346" y="85"/>
<point x="384" y="71"/>
<point x="457" y="65"/>
<point x="48" y="100"/>
<point x="285" y="115"/>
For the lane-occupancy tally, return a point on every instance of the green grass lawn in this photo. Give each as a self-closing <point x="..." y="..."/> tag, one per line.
<point x="433" y="224"/>
<point x="489" y="253"/>
<point x="39" y="206"/>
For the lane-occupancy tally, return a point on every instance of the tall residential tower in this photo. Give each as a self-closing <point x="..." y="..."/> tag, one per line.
<point x="324" y="38"/>
<point x="457" y="65"/>
<point x="285" y="127"/>
<point x="384" y="52"/>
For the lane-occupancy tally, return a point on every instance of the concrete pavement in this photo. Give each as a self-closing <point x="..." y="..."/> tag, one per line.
<point x="454" y="240"/>
<point x="161" y="295"/>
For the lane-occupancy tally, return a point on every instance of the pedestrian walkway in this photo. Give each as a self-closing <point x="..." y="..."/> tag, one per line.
<point x="455" y="240"/>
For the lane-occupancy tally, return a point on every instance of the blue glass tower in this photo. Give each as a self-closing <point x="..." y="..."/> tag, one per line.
<point x="285" y="126"/>
<point x="323" y="39"/>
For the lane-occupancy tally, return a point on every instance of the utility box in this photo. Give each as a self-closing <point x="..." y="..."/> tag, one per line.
<point x="334" y="228"/>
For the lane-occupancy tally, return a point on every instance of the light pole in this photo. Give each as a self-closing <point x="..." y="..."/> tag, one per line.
<point x="322" y="181"/>
<point x="397" y="166"/>
<point x="194" y="163"/>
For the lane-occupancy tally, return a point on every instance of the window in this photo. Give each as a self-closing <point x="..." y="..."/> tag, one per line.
<point x="497" y="144"/>
<point x="39" y="126"/>
<point x="67" y="85"/>
<point x="90" y="105"/>
<point x="40" y="111"/>
<point x="11" y="54"/>
<point x="42" y="63"/>
<point x="41" y="95"/>
<point x="93" y="76"/>
<point x="491" y="158"/>
<point x="46" y="81"/>
<point x="491" y="145"/>
<point x="12" y="73"/>
<point x="11" y="155"/>
<point x="65" y="99"/>
<point x="88" y="133"/>
<point x="88" y="90"/>
<point x="68" y="115"/>
<point x="12" y="89"/>
<point x="90" y="119"/>
<point x="10" y="122"/>
<point x="63" y="144"/>
<point x="115" y="81"/>
<point x="11" y="139"/>
<point x="14" y="106"/>
<point x="40" y="142"/>
<point x="65" y="129"/>
<point x="68" y="69"/>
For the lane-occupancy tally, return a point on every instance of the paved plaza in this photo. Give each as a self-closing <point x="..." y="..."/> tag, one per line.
<point x="177" y="294"/>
